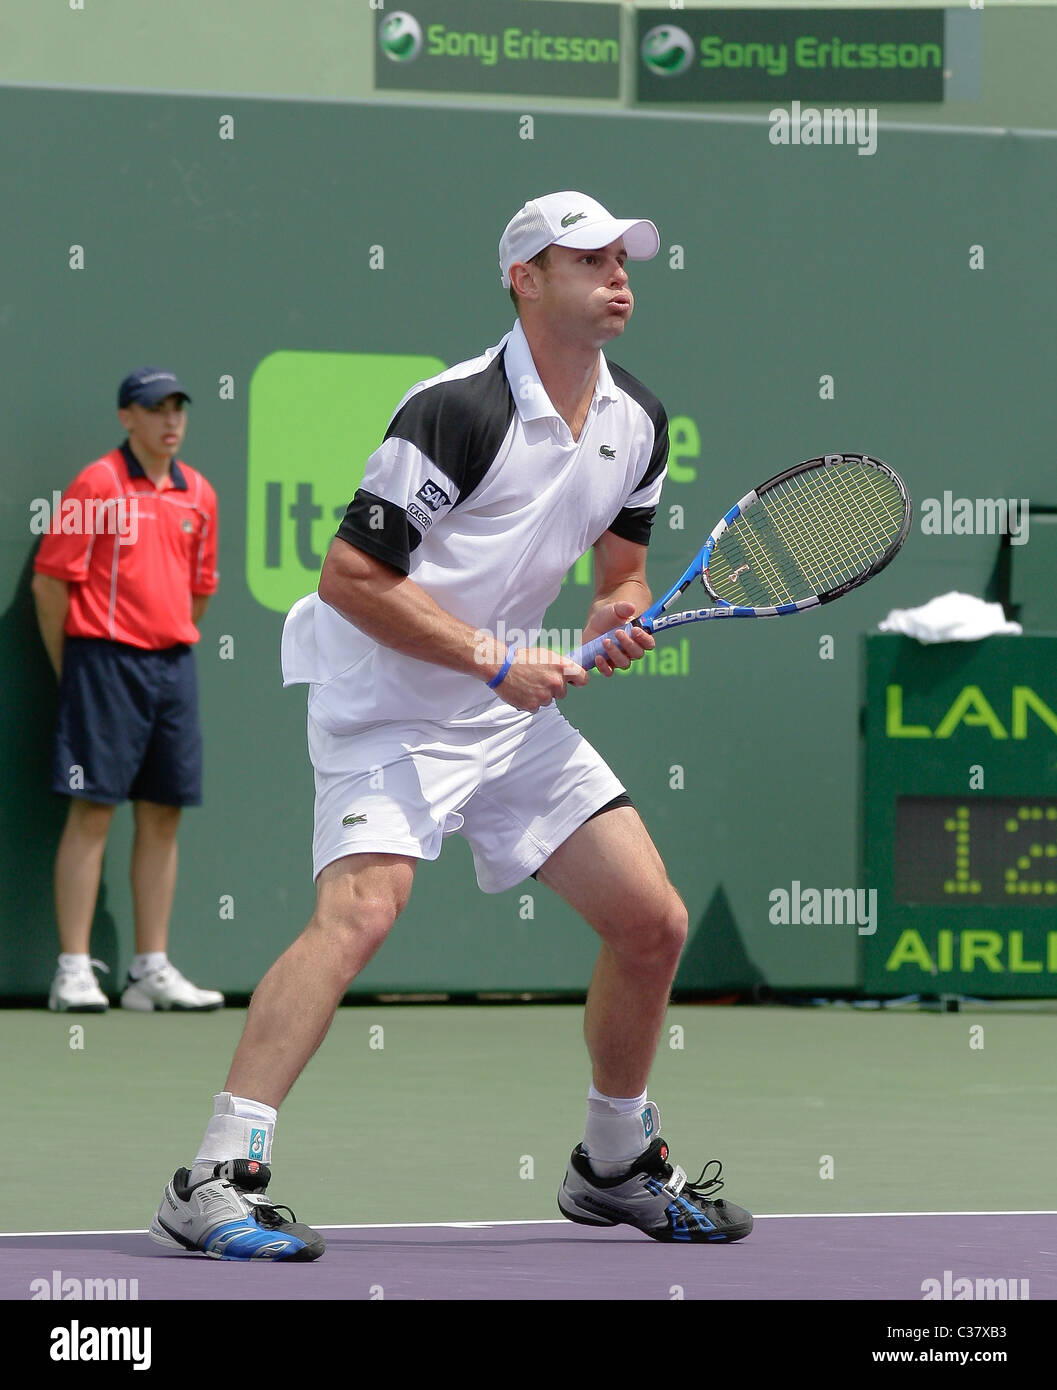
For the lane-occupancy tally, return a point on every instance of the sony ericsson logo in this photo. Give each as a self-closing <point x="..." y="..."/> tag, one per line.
<point x="572" y="217"/>
<point x="400" y="37"/>
<point x="667" y="50"/>
<point x="433" y="495"/>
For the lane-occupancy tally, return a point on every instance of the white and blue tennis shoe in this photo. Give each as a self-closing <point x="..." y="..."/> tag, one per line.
<point x="228" y="1217"/>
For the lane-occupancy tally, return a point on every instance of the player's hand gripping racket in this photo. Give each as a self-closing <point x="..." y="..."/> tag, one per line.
<point x="806" y="537"/>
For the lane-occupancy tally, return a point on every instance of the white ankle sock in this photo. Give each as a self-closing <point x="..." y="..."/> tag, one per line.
<point x="147" y="961"/>
<point x="73" y="962"/>
<point x="238" y="1128"/>
<point x="618" y="1131"/>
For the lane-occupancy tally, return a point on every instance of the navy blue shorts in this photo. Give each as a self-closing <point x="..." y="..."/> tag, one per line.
<point x="128" y="724"/>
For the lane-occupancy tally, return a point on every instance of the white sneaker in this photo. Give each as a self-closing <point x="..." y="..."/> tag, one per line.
<point x="77" y="991"/>
<point x="166" y="988"/>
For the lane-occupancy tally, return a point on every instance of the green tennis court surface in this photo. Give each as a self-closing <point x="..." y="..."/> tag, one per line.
<point x="469" y="1113"/>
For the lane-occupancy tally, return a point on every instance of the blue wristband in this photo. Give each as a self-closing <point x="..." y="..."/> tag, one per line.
<point x="500" y="675"/>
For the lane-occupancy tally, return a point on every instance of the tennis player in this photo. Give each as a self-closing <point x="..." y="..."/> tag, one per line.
<point x="492" y="480"/>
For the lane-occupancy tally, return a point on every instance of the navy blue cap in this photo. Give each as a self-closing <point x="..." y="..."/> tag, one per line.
<point x="147" y="386"/>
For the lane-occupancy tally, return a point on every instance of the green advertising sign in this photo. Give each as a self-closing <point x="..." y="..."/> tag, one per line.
<point x="960" y="823"/>
<point x="785" y="55"/>
<point x="530" y="47"/>
<point x="314" y="420"/>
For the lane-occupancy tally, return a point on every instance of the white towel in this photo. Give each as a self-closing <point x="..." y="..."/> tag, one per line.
<point x="950" y="618"/>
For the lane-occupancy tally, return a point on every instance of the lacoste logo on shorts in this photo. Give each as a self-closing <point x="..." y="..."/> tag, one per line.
<point x="433" y="495"/>
<point x="354" y="820"/>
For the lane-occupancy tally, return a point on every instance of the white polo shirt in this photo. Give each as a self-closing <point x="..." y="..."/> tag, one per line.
<point x="480" y="494"/>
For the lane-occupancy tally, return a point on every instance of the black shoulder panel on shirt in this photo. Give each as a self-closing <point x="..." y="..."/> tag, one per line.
<point x="381" y="529"/>
<point x="460" y="424"/>
<point x="653" y="408"/>
<point x="634" y="524"/>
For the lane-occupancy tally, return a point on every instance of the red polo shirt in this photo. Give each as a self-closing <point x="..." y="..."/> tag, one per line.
<point x="133" y="553"/>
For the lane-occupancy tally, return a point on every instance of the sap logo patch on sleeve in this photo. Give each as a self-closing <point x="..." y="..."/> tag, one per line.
<point x="433" y="495"/>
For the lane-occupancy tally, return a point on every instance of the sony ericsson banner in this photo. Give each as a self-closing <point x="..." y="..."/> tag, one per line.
<point x="786" y="55"/>
<point x="530" y="47"/>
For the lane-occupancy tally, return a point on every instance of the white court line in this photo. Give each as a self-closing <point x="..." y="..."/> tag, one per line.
<point x="757" y="1216"/>
<point x="547" y="1221"/>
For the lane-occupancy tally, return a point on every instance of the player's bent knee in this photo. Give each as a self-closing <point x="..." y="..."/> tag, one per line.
<point x="654" y="937"/>
<point x="671" y="930"/>
<point x="358" y="927"/>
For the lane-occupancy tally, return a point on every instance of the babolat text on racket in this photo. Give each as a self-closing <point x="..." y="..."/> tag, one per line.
<point x="805" y="537"/>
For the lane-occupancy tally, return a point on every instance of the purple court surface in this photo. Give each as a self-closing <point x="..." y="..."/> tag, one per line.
<point x="858" y="1257"/>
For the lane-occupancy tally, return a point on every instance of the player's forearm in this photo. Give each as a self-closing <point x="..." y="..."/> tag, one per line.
<point x="397" y="613"/>
<point x="52" y="600"/>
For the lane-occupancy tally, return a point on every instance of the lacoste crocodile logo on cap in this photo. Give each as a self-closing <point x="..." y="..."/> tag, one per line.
<point x="354" y="820"/>
<point x="572" y="217"/>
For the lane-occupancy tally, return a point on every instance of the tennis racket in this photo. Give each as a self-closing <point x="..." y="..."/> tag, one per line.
<point x="806" y="537"/>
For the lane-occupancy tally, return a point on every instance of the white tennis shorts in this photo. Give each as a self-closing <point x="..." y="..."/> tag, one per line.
<point x="515" y="785"/>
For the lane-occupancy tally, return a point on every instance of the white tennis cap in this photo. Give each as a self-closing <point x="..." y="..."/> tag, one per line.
<point x="571" y="219"/>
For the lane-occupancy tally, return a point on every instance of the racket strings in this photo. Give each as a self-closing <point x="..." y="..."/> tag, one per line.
<point x="771" y="578"/>
<point x="837" y="523"/>
<point x="835" y="528"/>
<point x="808" y="534"/>
<point x="865" y="503"/>
<point x="808" y="529"/>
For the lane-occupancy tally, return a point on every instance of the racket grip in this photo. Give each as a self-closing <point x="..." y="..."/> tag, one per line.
<point x="585" y="656"/>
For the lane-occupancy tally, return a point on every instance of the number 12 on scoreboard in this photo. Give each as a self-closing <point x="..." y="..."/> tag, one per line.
<point x="956" y="851"/>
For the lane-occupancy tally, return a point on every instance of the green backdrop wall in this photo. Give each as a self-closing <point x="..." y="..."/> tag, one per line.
<point x="779" y="267"/>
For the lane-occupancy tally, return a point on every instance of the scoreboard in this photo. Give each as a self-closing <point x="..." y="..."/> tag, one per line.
<point x="959" y="819"/>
